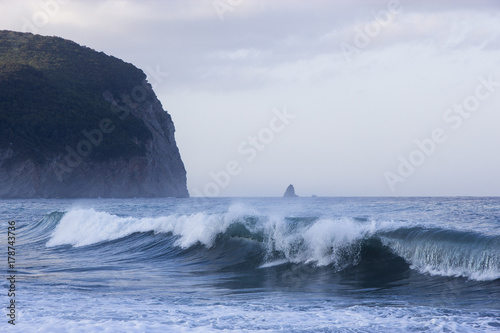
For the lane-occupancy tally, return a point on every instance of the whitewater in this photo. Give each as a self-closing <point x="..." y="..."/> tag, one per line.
<point x="255" y="265"/>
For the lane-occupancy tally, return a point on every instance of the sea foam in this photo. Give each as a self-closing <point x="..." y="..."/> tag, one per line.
<point x="320" y="241"/>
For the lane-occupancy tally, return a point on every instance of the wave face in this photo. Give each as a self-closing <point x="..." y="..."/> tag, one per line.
<point x="257" y="264"/>
<point x="237" y="239"/>
<point x="447" y="252"/>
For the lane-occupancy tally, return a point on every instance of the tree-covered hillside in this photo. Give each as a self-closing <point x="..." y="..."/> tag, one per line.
<point x="52" y="89"/>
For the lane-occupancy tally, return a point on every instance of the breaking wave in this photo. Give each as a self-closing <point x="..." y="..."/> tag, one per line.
<point x="266" y="241"/>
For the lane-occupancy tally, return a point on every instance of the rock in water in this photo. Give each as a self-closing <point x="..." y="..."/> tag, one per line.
<point x="290" y="192"/>
<point x="75" y="122"/>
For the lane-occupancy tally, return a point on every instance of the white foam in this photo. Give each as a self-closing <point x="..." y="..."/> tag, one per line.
<point x="482" y="275"/>
<point x="82" y="227"/>
<point x="326" y="238"/>
<point x="246" y="315"/>
<point x="324" y="242"/>
<point x="274" y="263"/>
<point x="447" y="258"/>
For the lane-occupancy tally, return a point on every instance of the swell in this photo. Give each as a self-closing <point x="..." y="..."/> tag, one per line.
<point x="447" y="252"/>
<point x="238" y="241"/>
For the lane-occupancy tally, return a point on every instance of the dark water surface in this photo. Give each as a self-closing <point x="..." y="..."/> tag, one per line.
<point x="255" y="264"/>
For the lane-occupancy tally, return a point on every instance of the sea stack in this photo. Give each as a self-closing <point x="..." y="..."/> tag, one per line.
<point x="77" y="123"/>
<point x="290" y="192"/>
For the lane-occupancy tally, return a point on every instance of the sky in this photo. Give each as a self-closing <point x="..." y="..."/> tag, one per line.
<point x="338" y="98"/>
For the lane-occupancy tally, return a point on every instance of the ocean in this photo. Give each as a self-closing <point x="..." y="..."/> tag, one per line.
<point x="252" y="265"/>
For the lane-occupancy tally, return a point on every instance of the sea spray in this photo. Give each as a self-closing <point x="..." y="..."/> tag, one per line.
<point x="447" y="252"/>
<point x="196" y="265"/>
<point x="319" y="241"/>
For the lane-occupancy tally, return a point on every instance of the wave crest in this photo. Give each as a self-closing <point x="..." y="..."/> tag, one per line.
<point x="447" y="252"/>
<point x="337" y="243"/>
<point x="83" y="227"/>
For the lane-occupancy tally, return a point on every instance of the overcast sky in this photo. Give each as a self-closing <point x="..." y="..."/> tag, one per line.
<point x="339" y="98"/>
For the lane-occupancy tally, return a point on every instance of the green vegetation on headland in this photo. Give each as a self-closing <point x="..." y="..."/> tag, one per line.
<point x="51" y="90"/>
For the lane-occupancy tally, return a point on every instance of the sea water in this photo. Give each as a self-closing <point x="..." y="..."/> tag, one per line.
<point x="253" y="265"/>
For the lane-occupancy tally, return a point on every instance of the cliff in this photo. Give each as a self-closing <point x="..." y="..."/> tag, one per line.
<point x="78" y="123"/>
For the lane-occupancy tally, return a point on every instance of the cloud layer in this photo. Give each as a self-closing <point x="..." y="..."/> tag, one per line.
<point x="365" y="80"/>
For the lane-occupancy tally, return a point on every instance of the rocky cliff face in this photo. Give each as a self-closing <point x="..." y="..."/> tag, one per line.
<point x="108" y="139"/>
